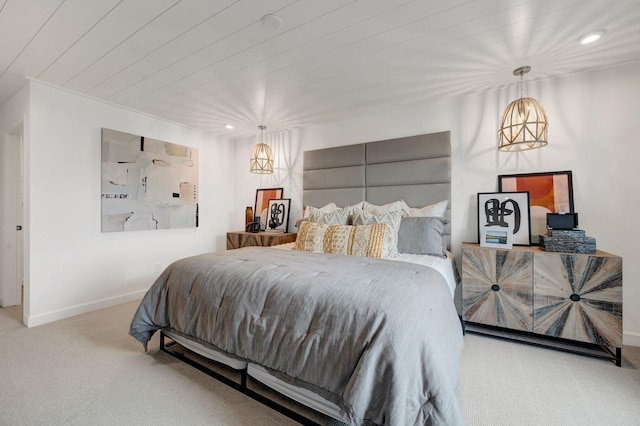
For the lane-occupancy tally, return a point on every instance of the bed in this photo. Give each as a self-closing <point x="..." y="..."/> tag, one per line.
<point x="363" y="340"/>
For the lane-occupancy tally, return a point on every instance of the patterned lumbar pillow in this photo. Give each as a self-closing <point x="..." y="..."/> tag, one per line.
<point x="391" y="218"/>
<point x="310" y="236"/>
<point x="374" y="240"/>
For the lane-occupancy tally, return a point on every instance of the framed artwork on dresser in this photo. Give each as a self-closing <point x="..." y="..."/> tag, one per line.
<point x="506" y="211"/>
<point x="549" y="192"/>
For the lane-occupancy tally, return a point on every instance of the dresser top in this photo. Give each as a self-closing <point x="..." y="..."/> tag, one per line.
<point x="538" y="249"/>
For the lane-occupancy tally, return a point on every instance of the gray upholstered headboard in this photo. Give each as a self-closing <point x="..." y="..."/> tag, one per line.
<point x="416" y="169"/>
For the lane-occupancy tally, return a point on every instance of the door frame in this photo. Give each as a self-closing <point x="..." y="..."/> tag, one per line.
<point x="13" y="259"/>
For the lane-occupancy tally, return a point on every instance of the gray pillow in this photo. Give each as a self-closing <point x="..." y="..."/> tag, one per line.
<point x="422" y="235"/>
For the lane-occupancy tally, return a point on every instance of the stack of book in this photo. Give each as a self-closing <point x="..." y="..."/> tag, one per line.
<point x="568" y="241"/>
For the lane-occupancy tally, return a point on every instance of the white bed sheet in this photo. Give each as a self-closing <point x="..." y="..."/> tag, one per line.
<point x="440" y="264"/>
<point x="301" y="395"/>
<point x="259" y="373"/>
<point x="206" y="352"/>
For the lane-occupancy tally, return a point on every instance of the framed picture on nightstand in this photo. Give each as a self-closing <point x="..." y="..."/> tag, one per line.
<point x="506" y="210"/>
<point x="278" y="215"/>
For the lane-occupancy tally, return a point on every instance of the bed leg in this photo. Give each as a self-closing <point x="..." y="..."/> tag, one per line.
<point x="619" y="357"/>
<point x="243" y="379"/>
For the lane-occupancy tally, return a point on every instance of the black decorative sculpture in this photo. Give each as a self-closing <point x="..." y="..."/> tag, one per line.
<point x="276" y="214"/>
<point x="496" y="212"/>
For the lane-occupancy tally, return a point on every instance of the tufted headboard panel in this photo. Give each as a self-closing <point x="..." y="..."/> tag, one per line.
<point x="416" y="169"/>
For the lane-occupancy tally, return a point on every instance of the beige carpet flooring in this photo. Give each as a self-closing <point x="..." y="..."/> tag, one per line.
<point x="87" y="370"/>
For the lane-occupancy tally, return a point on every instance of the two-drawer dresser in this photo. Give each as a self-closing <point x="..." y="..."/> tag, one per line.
<point x="569" y="301"/>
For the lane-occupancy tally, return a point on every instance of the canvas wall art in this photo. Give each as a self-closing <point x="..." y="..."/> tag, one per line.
<point x="147" y="183"/>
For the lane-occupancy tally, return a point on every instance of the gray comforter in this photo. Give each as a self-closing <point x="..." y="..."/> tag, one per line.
<point x="380" y="339"/>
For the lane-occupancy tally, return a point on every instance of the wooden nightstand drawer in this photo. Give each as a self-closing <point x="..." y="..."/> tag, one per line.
<point x="241" y="239"/>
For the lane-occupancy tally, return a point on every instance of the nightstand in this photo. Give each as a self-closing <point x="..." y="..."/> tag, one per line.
<point x="241" y="239"/>
<point x="563" y="298"/>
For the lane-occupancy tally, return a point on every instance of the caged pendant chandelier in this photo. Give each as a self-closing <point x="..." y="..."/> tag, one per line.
<point x="261" y="160"/>
<point x="524" y="122"/>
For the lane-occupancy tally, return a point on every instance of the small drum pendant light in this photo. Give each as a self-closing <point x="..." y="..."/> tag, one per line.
<point x="524" y="122"/>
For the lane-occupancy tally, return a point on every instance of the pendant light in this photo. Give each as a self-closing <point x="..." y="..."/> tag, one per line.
<point x="524" y="122"/>
<point x="261" y="160"/>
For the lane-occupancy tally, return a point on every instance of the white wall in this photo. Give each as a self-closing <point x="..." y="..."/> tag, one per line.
<point x="592" y="132"/>
<point x="287" y="174"/>
<point x="74" y="267"/>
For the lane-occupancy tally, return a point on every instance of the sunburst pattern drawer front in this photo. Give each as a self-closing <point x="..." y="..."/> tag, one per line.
<point x="578" y="297"/>
<point x="497" y="287"/>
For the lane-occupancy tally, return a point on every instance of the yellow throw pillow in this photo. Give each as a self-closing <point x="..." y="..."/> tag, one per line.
<point x="375" y="240"/>
<point x="310" y="236"/>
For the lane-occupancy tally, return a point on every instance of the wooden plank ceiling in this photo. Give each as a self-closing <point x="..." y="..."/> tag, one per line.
<point x="208" y="63"/>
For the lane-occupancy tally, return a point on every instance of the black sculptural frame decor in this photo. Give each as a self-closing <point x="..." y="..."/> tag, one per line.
<point x="506" y="210"/>
<point x="278" y="215"/>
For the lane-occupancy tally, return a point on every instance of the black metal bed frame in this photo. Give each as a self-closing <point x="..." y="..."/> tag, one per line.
<point x="239" y="386"/>
<point x="564" y="345"/>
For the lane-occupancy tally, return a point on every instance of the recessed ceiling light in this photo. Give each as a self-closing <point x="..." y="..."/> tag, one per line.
<point x="272" y="22"/>
<point x="229" y="126"/>
<point x="591" y="37"/>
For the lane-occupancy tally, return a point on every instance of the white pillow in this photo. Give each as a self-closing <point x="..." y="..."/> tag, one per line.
<point x="331" y="214"/>
<point x="395" y="206"/>
<point x="320" y="210"/>
<point x="352" y="208"/>
<point x="433" y="210"/>
<point x="336" y="217"/>
<point x="351" y="211"/>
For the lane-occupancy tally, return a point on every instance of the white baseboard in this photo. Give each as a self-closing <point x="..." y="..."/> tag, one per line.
<point x="631" y="339"/>
<point x="35" y="320"/>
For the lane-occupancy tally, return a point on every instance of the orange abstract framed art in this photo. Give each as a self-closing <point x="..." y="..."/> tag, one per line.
<point x="549" y="192"/>
<point x="262" y="203"/>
